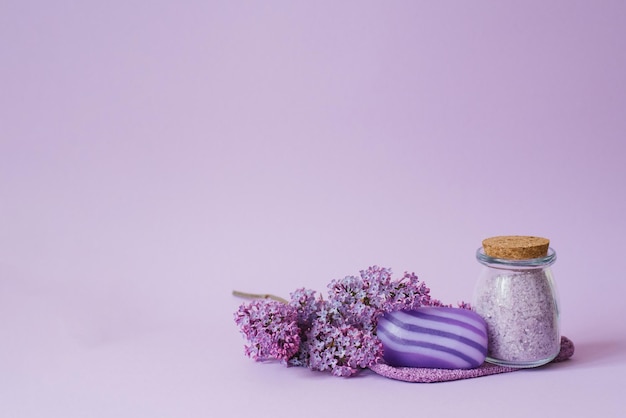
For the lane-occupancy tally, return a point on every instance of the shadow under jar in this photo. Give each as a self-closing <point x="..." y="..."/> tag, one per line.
<point x="516" y="296"/>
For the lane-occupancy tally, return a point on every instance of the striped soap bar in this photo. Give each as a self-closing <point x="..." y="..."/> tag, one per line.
<point x="434" y="337"/>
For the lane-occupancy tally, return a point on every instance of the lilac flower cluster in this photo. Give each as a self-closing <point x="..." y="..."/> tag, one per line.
<point x="337" y="334"/>
<point x="340" y="349"/>
<point x="271" y="329"/>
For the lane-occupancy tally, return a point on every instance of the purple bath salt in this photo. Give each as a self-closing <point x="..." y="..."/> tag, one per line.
<point x="517" y="299"/>
<point x="523" y="329"/>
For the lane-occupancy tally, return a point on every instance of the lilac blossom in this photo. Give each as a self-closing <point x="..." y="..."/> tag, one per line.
<point x="408" y="293"/>
<point x="271" y="329"/>
<point x="337" y="334"/>
<point x="343" y="350"/>
<point x="306" y="303"/>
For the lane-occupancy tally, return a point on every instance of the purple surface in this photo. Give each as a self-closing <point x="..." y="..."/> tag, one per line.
<point x="154" y="156"/>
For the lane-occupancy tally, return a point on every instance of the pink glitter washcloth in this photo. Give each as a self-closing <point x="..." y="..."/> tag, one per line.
<point x="426" y="375"/>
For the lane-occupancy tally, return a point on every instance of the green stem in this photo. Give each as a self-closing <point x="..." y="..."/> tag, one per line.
<point x="259" y="296"/>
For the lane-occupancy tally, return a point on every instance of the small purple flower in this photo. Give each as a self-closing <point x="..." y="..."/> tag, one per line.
<point x="465" y="305"/>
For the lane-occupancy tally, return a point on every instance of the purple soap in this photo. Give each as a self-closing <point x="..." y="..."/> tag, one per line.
<point x="433" y="337"/>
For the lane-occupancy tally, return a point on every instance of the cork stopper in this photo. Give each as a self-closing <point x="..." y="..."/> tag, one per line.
<point x="516" y="247"/>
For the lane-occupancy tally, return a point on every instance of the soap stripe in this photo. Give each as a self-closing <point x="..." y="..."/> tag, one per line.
<point x="433" y="337"/>
<point x="457" y="329"/>
<point x="420" y="356"/>
<point x="433" y="315"/>
<point x="401" y="345"/>
<point x="413" y="327"/>
<point x="461" y="321"/>
<point x="409" y="339"/>
<point x="465" y="315"/>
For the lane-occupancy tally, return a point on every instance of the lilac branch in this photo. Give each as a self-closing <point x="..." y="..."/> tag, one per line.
<point x="246" y="295"/>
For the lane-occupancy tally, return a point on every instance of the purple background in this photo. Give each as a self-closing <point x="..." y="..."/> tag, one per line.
<point x="156" y="155"/>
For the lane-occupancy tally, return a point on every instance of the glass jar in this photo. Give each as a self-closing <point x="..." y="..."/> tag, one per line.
<point x="516" y="296"/>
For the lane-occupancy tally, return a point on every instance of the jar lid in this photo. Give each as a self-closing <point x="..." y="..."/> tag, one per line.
<point x="516" y="247"/>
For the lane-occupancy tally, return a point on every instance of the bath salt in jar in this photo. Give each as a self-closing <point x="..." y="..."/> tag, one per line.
<point x="516" y="296"/>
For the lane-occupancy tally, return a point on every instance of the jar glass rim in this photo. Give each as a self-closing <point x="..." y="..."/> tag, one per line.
<point x="548" y="260"/>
